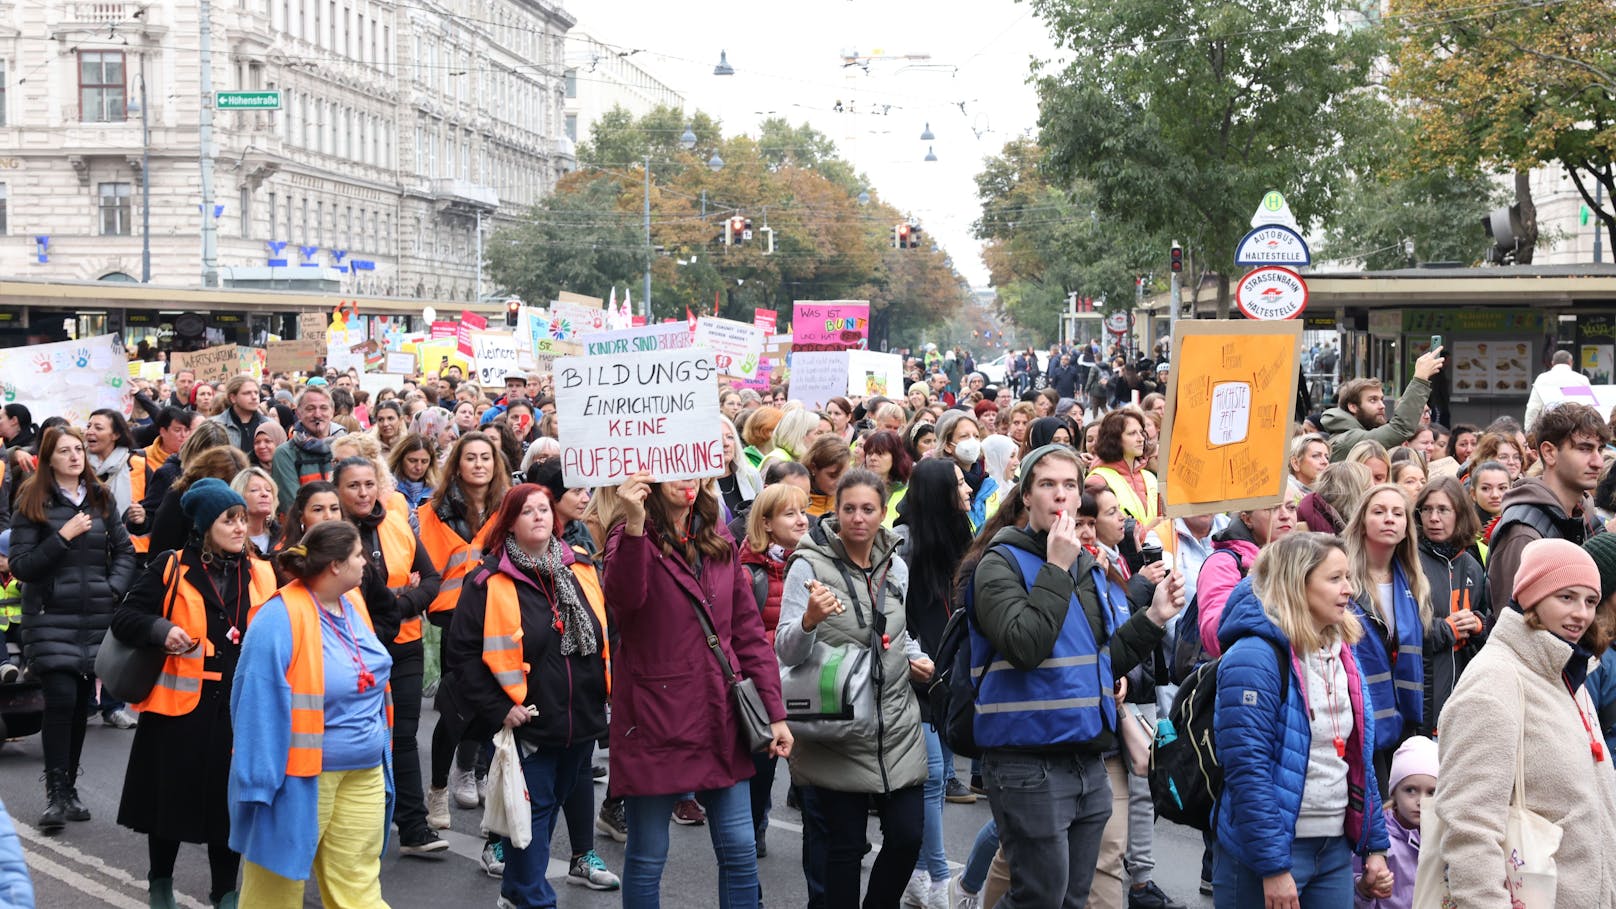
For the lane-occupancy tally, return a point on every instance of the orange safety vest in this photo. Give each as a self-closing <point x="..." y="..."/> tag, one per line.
<point x="137" y="493"/>
<point x="398" y="557"/>
<point x="452" y="556"/>
<point x="589" y="581"/>
<point x="306" y="674"/>
<point x="179" y="687"/>
<point x="502" y="629"/>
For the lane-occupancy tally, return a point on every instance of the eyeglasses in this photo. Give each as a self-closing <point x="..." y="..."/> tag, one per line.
<point x="1438" y="510"/>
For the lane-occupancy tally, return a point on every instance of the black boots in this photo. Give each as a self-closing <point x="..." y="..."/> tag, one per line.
<point x="55" y="816"/>
<point x="75" y="808"/>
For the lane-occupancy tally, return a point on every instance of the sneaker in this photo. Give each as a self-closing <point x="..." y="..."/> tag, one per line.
<point x="916" y="891"/>
<point x="613" y="820"/>
<point x="503" y="903"/>
<point x="463" y="786"/>
<point x="688" y="813"/>
<point x="437" y="808"/>
<point x="494" y="858"/>
<point x="955" y="791"/>
<point x="760" y="836"/>
<point x="1206" y="887"/>
<point x="423" y="845"/>
<point x="9" y="673"/>
<point x="976" y="784"/>
<point x="598" y="773"/>
<point x="122" y="718"/>
<point x="959" y="899"/>
<point x="588" y="870"/>
<point x="938" y="897"/>
<point x="1150" y="896"/>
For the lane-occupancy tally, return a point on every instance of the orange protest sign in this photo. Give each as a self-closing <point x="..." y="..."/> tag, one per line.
<point x="1227" y="431"/>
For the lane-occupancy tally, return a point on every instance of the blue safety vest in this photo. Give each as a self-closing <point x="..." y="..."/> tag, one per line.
<point x="1396" y="680"/>
<point x="1066" y="700"/>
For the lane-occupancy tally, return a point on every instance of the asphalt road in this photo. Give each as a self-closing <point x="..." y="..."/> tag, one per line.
<point x="99" y="864"/>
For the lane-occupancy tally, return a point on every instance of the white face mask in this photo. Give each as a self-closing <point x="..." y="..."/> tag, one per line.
<point x="967" y="452"/>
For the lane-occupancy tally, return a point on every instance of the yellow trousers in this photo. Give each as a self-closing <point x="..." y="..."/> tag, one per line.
<point x="347" y="864"/>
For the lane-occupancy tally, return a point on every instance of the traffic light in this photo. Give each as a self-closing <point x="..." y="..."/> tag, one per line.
<point x="902" y="236"/>
<point x="914" y="236"/>
<point x="737" y="230"/>
<point x="1178" y="257"/>
<point x="513" y="308"/>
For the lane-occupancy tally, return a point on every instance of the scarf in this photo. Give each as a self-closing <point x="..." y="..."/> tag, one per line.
<point x="113" y="471"/>
<point x="577" y="632"/>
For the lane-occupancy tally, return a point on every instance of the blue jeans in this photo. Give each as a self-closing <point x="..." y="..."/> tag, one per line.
<point x="551" y="775"/>
<point x="975" y="873"/>
<point x="933" y="854"/>
<point x="1321" y="866"/>
<point x="729" y="821"/>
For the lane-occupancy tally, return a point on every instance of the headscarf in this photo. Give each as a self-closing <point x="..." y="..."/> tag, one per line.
<point x="996" y="453"/>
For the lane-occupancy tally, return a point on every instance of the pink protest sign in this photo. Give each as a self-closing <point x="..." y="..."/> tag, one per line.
<point x="830" y="325"/>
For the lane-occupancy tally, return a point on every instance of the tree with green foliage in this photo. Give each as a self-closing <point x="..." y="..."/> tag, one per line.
<point x="1183" y="113"/>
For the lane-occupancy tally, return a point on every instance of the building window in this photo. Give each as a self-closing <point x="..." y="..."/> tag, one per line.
<point x="2" y="209"/>
<point x="571" y="82"/>
<point x="319" y="224"/>
<point x="101" y="86"/>
<point x="116" y="214"/>
<point x="572" y="127"/>
<point x="274" y="210"/>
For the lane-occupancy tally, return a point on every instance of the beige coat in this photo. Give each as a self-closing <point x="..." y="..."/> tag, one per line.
<point x="1479" y="735"/>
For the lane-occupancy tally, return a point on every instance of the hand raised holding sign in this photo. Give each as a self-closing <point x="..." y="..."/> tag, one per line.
<point x="632" y="494"/>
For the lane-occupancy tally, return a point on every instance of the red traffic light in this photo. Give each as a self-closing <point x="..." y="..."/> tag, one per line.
<point x="1178" y="258"/>
<point x="513" y="308"/>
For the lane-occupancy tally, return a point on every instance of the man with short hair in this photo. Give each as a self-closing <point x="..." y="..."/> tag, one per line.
<point x="184" y="381"/>
<point x="1554" y="385"/>
<point x="535" y="386"/>
<point x="241" y="416"/>
<point x="1570" y="440"/>
<point x="939" y="389"/>
<point x="1361" y="409"/>
<point x="1044" y="715"/>
<point x="305" y="456"/>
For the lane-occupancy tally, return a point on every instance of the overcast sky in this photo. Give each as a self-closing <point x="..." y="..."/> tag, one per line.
<point x="788" y="62"/>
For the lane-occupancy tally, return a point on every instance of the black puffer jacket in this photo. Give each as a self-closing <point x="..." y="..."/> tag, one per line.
<point x="1457" y="582"/>
<point x="70" y="588"/>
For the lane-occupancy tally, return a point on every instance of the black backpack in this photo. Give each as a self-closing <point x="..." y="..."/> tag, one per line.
<point x="1186" y="777"/>
<point x="1188" y="651"/>
<point x="952" y="690"/>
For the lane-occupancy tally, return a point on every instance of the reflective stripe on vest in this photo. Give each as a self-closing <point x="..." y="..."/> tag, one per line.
<point x="1396" y="680"/>
<point x="179" y="686"/>
<point x="451" y="555"/>
<point x="137" y="493"/>
<point x="1065" y="700"/>
<point x="398" y="557"/>
<point x="305" y="673"/>
<point x="502" y="637"/>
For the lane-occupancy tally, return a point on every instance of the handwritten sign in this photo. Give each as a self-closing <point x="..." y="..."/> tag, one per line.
<point x="817" y="376"/>
<point x="668" y="336"/>
<point x="1226" y="433"/>
<point x="736" y="346"/>
<point x="655" y="411"/>
<point x="830" y="325"/>
<point x="214" y="364"/>
<point x="760" y="381"/>
<point x="402" y="364"/>
<point x="311" y="326"/>
<point x="302" y="355"/>
<point x="497" y="355"/>
<point x="69" y="379"/>
<point x="578" y="319"/>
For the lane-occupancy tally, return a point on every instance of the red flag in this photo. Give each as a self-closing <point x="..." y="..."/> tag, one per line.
<point x="691" y="318"/>
<point x="715" y="303"/>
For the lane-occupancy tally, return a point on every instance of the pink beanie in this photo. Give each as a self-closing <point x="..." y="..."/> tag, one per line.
<point x="1549" y="565"/>
<point x="1413" y="757"/>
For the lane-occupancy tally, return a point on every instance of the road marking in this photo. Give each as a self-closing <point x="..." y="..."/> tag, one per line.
<point x="84" y="884"/>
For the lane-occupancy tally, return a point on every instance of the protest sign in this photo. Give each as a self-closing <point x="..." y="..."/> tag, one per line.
<point x="400" y="363"/>
<point x="436" y="356"/>
<point x="374" y="382"/>
<point x="737" y="347"/>
<point x="655" y="411"/>
<point x="442" y="329"/>
<point x="870" y="373"/>
<point x="818" y="375"/>
<point x="251" y="361"/>
<point x="666" y="336"/>
<point x="567" y="296"/>
<point x="497" y="355"/>
<point x="830" y="325"/>
<point x="213" y="364"/>
<point x="759" y="381"/>
<point x="571" y="319"/>
<point x="340" y="354"/>
<point x="67" y="379"/>
<point x="302" y="355"/>
<point x="765" y="319"/>
<point x="1226" y="434"/>
<point x="312" y="326"/>
<point x="469" y="322"/>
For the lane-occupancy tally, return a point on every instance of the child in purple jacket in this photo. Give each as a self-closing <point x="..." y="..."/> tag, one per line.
<point x="1413" y="778"/>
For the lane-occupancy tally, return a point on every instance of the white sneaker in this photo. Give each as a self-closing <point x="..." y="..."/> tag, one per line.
<point x="9" y="673"/>
<point x="917" y="891"/>
<point x="463" y="786"/>
<point x="437" y="808"/>
<point x="959" y="899"/>
<point x="938" y="897"/>
<point x="122" y="718"/>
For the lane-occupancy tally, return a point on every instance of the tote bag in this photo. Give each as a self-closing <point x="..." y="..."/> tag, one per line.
<point x="1530" y="842"/>
<point x="507" y="811"/>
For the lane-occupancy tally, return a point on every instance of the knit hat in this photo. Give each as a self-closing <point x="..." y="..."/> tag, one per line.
<point x="1552" y="564"/>
<point x="206" y="500"/>
<point x="548" y="474"/>
<point x="1415" y="756"/>
<point x="5" y="543"/>
<point x="1601" y="547"/>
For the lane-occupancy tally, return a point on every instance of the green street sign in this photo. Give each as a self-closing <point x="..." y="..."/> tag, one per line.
<point x="270" y="100"/>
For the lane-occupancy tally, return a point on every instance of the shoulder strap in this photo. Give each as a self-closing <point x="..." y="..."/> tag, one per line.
<point x="712" y="641"/>
<point x="168" y="583"/>
<point x="1530" y="515"/>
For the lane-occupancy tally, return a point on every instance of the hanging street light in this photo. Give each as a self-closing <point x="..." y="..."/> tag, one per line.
<point x="687" y="141"/>
<point x="723" y="68"/>
<point x="926" y="135"/>
<point x="715" y="163"/>
<point x="930" y="155"/>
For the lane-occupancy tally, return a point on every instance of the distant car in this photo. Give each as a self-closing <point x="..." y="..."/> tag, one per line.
<point x="997" y="369"/>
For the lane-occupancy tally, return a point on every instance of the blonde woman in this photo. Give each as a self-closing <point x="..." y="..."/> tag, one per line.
<point x="1294" y="737"/>
<point x="793" y="436"/>
<point x="257" y="488"/>
<point x="1374" y="456"/>
<point x="1393" y="600"/>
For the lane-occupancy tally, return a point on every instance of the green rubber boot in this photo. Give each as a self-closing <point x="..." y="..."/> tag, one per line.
<point x="228" y="901"/>
<point x="160" y="892"/>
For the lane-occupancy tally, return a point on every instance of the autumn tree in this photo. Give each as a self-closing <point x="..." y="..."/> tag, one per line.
<point x="1182" y="114"/>
<point x="1510" y="87"/>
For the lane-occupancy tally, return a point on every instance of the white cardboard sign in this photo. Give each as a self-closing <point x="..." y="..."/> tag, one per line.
<point x="818" y="375"/>
<point x="655" y="411"/>
<point x="736" y="346"/>
<point x="496" y="355"/>
<point x="663" y="336"/>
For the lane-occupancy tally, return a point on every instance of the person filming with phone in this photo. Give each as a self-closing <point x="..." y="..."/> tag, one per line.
<point x="1361" y="408"/>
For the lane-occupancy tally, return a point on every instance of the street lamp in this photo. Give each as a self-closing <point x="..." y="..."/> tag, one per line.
<point x="926" y="135"/>
<point x="930" y="155"/>
<point x="687" y="141"/>
<point x="723" y="68"/>
<point x="864" y="197"/>
<point x="715" y="163"/>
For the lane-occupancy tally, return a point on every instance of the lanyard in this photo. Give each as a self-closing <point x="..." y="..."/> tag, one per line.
<point x="1595" y="747"/>
<point x="1327" y="670"/>
<point x="234" y="634"/>
<point x="350" y="645"/>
